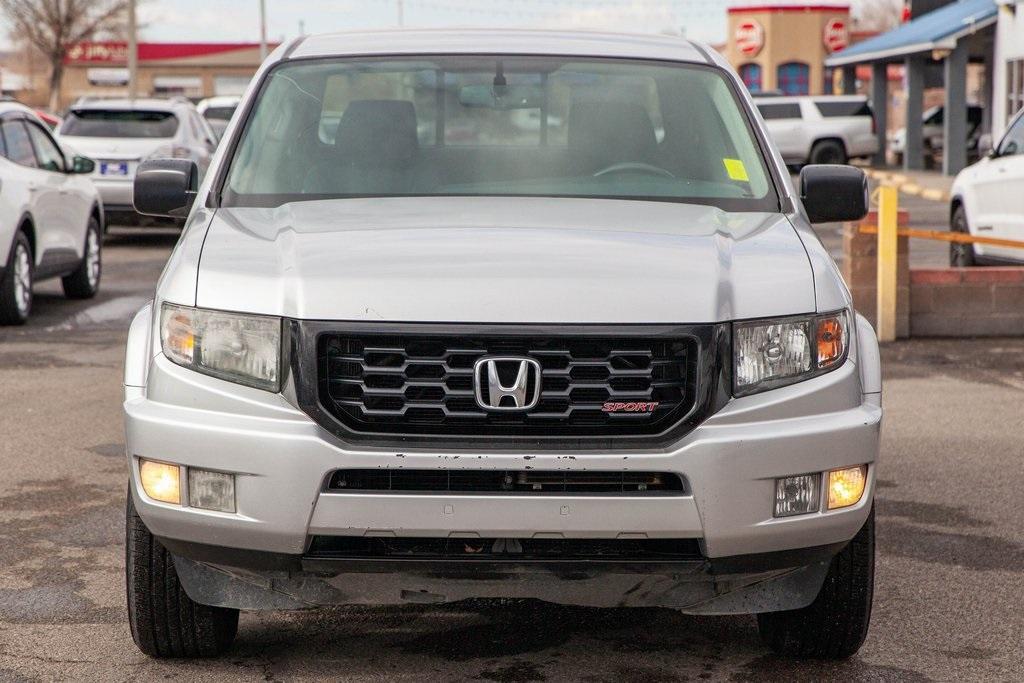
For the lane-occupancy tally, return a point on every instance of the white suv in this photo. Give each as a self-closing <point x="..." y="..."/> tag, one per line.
<point x="120" y="134"/>
<point x="51" y="221"/>
<point x="827" y="129"/>
<point x="987" y="201"/>
<point x="409" y="351"/>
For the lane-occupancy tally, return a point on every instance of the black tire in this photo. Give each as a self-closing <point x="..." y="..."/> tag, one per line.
<point x="961" y="255"/>
<point x="164" y="621"/>
<point x="835" y="624"/>
<point x="828" y="152"/>
<point x="84" y="283"/>
<point x="16" y="284"/>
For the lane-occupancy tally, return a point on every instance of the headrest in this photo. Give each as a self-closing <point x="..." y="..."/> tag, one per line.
<point x="378" y="132"/>
<point x="603" y="132"/>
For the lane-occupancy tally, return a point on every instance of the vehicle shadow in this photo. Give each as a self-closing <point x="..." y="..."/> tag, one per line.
<point x="154" y="236"/>
<point x="525" y="640"/>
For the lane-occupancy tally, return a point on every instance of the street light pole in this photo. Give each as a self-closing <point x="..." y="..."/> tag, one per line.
<point x="263" y="30"/>
<point x="133" y="52"/>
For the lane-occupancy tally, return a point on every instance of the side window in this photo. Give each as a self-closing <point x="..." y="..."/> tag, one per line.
<point x="1013" y="142"/>
<point x="19" y="146"/>
<point x="835" y="108"/>
<point x="3" y="146"/>
<point x="50" y="158"/>
<point x="786" y="110"/>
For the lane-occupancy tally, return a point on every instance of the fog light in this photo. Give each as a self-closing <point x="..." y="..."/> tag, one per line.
<point x="797" y="495"/>
<point x="846" y="486"/>
<point x="160" y="481"/>
<point x="211" y="490"/>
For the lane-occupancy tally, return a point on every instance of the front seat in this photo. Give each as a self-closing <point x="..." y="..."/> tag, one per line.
<point x="375" y="151"/>
<point x="605" y="132"/>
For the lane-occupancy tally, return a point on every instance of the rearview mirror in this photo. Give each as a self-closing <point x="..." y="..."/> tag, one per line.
<point x="83" y="165"/>
<point x="166" y="188"/>
<point x="502" y="98"/>
<point x="832" y="193"/>
<point x="985" y="144"/>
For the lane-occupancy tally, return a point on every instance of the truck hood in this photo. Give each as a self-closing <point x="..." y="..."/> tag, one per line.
<point x="542" y="260"/>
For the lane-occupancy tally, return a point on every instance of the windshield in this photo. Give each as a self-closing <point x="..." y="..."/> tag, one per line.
<point x="100" y="123"/>
<point x="498" y="125"/>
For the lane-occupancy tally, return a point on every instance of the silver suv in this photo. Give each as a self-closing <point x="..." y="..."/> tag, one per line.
<point x="415" y="345"/>
<point x="121" y="134"/>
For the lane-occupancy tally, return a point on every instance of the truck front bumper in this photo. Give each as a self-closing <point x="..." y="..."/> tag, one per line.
<point x="282" y="461"/>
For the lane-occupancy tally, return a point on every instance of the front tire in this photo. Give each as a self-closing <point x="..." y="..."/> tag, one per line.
<point x="961" y="254"/>
<point x="164" y="621"/>
<point x="84" y="283"/>
<point x="835" y="624"/>
<point x="16" y="284"/>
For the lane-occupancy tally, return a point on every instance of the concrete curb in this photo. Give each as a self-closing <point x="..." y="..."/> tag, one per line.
<point x="907" y="186"/>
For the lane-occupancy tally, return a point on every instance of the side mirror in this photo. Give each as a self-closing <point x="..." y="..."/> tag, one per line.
<point x="82" y="165"/>
<point x="985" y="145"/>
<point x="832" y="193"/>
<point x="166" y="188"/>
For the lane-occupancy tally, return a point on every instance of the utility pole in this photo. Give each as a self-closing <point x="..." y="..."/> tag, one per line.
<point x="263" y="30"/>
<point x="133" y="52"/>
<point x="401" y="12"/>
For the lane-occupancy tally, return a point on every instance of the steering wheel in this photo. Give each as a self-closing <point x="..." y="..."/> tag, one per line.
<point x="633" y="167"/>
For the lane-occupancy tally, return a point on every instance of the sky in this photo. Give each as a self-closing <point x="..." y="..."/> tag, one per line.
<point x="238" y="20"/>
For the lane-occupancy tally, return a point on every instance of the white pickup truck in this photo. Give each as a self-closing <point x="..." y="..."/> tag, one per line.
<point x="827" y="129"/>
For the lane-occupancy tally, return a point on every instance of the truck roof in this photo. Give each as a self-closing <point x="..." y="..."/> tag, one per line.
<point x="498" y="41"/>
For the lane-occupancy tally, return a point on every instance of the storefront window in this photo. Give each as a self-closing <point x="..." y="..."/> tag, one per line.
<point x="828" y="86"/>
<point x="751" y="76"/>
<point x="794" y="78"/>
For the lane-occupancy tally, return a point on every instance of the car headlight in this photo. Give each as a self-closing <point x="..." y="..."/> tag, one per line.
<point x="773" y="353"/>
<point x="240" y="348"/>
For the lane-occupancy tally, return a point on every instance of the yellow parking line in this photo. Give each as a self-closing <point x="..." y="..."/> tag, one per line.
<point x="906" y="186"/>
<point x="935" y="195"/>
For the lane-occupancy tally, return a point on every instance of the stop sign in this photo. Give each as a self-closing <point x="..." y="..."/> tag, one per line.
<point x="749" y="37"/>
<point x="837" y="36"/>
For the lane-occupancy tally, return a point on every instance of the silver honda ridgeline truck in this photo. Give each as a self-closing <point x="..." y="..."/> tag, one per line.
<point x="500" y="314"/>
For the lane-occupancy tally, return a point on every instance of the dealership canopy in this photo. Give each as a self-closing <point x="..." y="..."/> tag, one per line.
<point x="939" y="29"/>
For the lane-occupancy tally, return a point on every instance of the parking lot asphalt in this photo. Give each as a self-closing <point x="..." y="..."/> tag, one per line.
<point x="948" y="602"/>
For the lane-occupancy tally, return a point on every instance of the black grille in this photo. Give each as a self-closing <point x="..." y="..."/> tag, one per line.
<point x="520" y="482"/>
<point x="423" y="385"/>
<point x="505" y="549"/>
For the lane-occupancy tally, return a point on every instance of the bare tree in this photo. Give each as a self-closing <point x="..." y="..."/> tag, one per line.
<point x="54" y="26"/>
<point x="877" y="15"/>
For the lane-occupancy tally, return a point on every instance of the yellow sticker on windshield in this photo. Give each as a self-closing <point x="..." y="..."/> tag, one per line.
<point x="736" y="170"/>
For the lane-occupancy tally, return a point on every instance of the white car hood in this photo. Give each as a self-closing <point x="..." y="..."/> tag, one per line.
<point x="504" y="260"/>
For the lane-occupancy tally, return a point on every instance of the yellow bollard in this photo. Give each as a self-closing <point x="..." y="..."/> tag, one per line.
<point x="887" y="227"/>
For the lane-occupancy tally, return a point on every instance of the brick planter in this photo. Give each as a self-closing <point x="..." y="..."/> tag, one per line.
<point x="967" y="302"/>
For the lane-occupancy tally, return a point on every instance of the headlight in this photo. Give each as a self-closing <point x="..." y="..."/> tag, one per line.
<point x="773" y="353"/>
<point x="232" y="346"/>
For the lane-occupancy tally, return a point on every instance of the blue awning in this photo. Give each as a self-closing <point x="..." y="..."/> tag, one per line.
<point x="938" y="29"/>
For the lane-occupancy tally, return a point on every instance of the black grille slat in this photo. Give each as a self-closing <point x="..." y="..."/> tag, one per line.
<point x="523" y="482"/>
<point x="423" y="384"/>
<point x="506" y="550"/>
